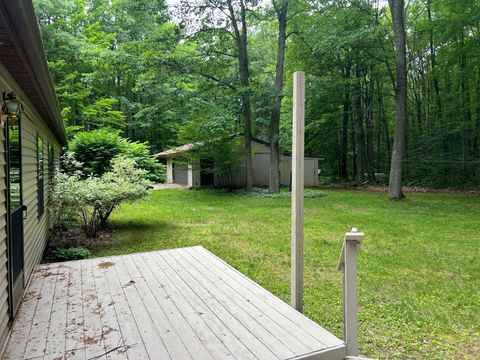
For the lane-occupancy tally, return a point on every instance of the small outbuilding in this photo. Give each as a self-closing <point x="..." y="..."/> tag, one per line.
<point x="183" y="170"/>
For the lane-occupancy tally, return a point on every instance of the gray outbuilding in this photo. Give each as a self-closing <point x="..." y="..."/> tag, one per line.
<point x="182" y="170"/>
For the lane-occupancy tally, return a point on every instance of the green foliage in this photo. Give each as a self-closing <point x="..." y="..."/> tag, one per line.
<point x="126" y="65"/>
<point x="92" y="199"/>
<point x="72" y="253"/>
<point x="94" y="152"/>
<point x="102" y="114"/>
<point x="140" y="153"/>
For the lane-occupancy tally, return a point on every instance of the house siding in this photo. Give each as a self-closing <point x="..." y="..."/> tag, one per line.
<point x="35" y="229"/>
<point x="4" y="311"/>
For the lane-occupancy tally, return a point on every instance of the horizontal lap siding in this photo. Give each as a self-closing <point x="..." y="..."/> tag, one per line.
<point x="4" y="317"/>
<point x="36" y="229"/>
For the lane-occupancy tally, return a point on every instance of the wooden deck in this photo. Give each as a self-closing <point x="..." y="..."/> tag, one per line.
<point x="172" y="304"/>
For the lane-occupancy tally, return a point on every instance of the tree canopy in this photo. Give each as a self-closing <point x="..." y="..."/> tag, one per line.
<point x="203" y="69"/>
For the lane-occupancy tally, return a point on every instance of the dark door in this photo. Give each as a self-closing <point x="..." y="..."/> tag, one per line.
<point x="16" y="212"/>
<point x="180" y="174"/>
<point x="206" y="172"/>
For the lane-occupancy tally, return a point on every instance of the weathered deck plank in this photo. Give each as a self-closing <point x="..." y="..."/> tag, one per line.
<point x="37" y="337"/>
<point x="171" y="304"/>
<point x="238" y="311"/>
<point x="74" y="337"/>
<point x="213" y="320"/>
<point x="165" y="286"/>
<point x="114" y="344"/>
<point x="296" y="340"/>
<point x="285" y="310"/>
<point x="135" y="347"/>
<point x="55" y="346"/>
<point x="26" y="312"/>
<point x="154" y="343"/>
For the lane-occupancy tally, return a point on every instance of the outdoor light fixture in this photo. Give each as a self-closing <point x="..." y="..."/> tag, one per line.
<point x="12" y="105"/>
<point x="4" y="115"/>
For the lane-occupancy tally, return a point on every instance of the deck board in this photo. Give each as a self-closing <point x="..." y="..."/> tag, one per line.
<point x="171" y="304"/>
<point x="214" y="322"/>
<point x="238" y="310"/>
<point x="267" y="317"/>
<point x="135" y="347"/>
<point x="74" y="337"/>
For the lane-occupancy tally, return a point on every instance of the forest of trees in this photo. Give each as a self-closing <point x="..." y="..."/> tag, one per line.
<point x="205" y="69"/>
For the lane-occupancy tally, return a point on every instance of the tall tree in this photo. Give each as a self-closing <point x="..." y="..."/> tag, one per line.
<point x="240" y="31"/>
<point x="274" y="129"/>
<point x="397" y="9"/>
<point x="226" y="19"/>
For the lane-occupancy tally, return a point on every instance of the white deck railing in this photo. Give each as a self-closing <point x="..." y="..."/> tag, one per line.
<point x="348" y="265"/>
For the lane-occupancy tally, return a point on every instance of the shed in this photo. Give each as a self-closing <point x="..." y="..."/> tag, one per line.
<point x="181" y="169"/>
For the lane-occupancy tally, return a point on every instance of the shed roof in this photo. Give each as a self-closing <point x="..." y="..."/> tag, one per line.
<point x="188" y="147"/>
<point x="177" y="150"/>
<point x="22" y="54"/>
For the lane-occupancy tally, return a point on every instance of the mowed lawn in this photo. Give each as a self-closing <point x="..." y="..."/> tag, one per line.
<point x="419" y="266"/>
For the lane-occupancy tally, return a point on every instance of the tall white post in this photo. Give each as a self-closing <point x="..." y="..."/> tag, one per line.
<point x="297" y="190"/>
<point x="190" y="176"/>
<point x="348" y="265"/>
<point x="169" y="170"/>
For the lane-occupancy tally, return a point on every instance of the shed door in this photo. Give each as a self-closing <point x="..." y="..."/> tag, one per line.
<point x="16" y="211"/>
<point x="180" y="174"/>
<point x="310" y="172"/>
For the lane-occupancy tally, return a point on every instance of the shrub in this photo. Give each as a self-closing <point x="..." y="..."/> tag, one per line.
<point x="155" y="171"/>
<point x="93" y="199"/>
<point x="93" y="153"/>
<point x="124" y="183"/>
<point x="72" y="253"/>
<point x="95" y="150"/>
<point x="66" y="199"/>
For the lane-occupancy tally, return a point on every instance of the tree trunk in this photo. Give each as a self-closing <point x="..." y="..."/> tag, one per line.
<point x="433" y="63"/>
<point x="370" y="153"/>
<point x="476" y="144"/>
<point x="467" y="114"/>
<point x="354" y="149"/>
<point x="438" y="111"/>
<point x="381" y="114"/>
<point x="359" y="134"/>
<point x="345" y="117"/>
<point x="274" y="131"/>
<point x="397" y="8"/>
<point x="241" y="40"/>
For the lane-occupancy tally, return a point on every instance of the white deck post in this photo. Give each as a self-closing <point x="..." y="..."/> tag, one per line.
<point x="297" y="190"/>
<point x="190" y="176"/>
<point x="169" y="170"/>
<point x="348" y="264"/>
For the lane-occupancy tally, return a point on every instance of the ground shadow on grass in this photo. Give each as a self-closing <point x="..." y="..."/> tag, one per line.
<point x="132" y="236"/>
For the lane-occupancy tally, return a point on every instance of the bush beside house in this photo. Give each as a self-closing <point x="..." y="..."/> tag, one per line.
<point x="95" y="150"/>
<point x="91" y="200"/>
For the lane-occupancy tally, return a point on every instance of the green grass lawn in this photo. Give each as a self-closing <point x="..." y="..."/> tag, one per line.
<point x="419" y="266"/>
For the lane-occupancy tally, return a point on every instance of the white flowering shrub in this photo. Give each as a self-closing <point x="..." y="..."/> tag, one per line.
<point x="93" y="199"/>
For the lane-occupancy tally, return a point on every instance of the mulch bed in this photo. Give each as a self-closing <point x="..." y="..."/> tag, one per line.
<point x="72" y="238"/>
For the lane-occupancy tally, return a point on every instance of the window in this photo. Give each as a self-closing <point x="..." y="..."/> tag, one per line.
<point x="51" y="162"/>
<point x="40" y="176"/>
<point x="14" y="158"/>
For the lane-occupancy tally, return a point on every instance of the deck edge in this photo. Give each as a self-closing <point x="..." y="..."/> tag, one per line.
<point x="332" y="353"/>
